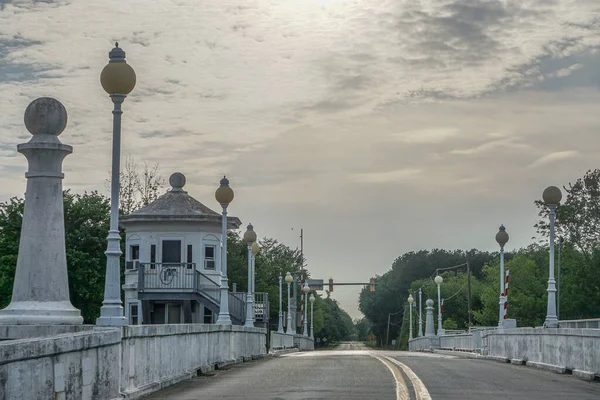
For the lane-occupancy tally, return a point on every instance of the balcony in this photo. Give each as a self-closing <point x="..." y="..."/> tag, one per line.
<point x="177" y="279"/>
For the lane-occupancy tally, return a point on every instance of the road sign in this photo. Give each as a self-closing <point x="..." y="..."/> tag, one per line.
<point x="315" y="284"/>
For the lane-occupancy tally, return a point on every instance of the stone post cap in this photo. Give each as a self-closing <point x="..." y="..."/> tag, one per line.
<point x="45" y="116"/>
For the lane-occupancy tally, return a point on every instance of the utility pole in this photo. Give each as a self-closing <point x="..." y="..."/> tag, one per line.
<point x="469" y="292"/>
<point x="387" y="336"/>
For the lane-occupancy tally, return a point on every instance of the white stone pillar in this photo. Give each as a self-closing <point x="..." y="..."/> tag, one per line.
<point x="41" y="287"/>
<point x="429" y="328"/>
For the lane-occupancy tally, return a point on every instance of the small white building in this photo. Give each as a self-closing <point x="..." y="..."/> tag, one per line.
<point x="173" y="258"/>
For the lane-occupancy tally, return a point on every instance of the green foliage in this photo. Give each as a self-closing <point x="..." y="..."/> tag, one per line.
<point x="393" y="287"/>
<point x="363" y="328"/>
<point x="86" y="227"/>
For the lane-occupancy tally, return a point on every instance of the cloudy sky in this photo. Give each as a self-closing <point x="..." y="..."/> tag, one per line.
<point x="378" y="126"/>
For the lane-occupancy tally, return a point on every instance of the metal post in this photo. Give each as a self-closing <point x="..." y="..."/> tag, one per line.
<point x="111" y="312"/>
<point x="224" y="318"/>
<point x="249" y="301"/>
<point x="420" y="314"/>
<point x="253" y="285"/>
<point x="312" y="321"/>
<point x="440" y="331"/>
<point x="295" y="308"/>
<point x="305" y="331"/>
<point x="410" y="329"/>
<point x="560" y="244"/>
<point x="469" y="294"/>
<point x="551" y="318"/>
<point x="502" y="298"/>
<point x="289" y="316"/>
<point x="280" y="327"/>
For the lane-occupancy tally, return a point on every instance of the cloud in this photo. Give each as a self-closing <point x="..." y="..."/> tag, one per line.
<point x="431" y="135"/>
<point x="553" y="157"/>
<point x="330" y="115"/>
<point x="400" y="175"/>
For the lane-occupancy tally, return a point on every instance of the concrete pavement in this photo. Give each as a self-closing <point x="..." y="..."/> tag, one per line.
<point x="355" y="372"/>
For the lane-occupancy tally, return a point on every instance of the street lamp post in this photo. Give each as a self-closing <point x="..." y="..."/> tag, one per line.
<point x="312" y="315"/>
<point x="502" y="239"/>
<point x="289" y="279"/>
<point x="255" y="251"/>
<point x="280" y="327"/>
<point x="249" y="238"/>
<point x="551" y="196"/>
<point x="224" y="196"/>
<point x="410" y="306"/>
<point x="118" y="80"/>
<point x="438" y="281"/>
<point x="305" y="290"/>
<point x="420" y="314"/>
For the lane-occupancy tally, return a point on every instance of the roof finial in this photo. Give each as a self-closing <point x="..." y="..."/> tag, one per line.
<point x="116" y="44"/>
<point x="177" y="181"/>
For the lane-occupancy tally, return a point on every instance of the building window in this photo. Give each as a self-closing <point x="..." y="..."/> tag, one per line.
<point x="208" y="316"/>
<point x="152" y="256"/>
<point x="134" y="313"/>
<point x="171" y="251"/>
<point x="190" y="258"/>
<point x="209" y="257"/>
<point x="134" y="256"/>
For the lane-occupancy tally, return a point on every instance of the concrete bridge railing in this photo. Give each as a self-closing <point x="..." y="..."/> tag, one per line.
<point x="562" y="350"/>
<point x="558" y="349"/>
<point x="116" y="363"/>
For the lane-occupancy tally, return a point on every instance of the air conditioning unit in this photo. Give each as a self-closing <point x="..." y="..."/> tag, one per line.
<point x="132" y="265"/>
<point x="209" y="264"/>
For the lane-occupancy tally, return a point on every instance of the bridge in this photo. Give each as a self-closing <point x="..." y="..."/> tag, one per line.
<point x="46" y="352"/>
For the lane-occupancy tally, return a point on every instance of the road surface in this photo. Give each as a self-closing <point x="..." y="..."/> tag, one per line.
<point x="355" y="372"/>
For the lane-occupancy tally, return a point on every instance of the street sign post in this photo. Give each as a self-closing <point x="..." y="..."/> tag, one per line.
<point x="315" y="284"/>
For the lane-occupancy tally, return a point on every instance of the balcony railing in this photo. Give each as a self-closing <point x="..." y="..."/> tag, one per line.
<point x="183" y="277"/>
<point x="168" y="277"/>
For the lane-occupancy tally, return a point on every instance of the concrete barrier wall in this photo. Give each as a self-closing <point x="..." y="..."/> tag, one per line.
<point x="158" y="356"/>
<point x="559" y="349"/>
<point x="304" y="343"/>
<point x="82" y="365"/>
<point x="111" y="363"/>
<point x="424" y="343"/>
<point x="281" y="340"/>
<point x="462" y="342"/>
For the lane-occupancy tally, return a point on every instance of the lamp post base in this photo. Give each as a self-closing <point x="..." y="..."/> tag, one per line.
<point x="224" y="318"/>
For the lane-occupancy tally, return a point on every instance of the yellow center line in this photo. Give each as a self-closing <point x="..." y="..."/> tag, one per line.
<point x="420" y="390"/>
<point x="401" y="389"/>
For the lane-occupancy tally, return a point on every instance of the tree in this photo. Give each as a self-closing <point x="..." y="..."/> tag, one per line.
<point x="393" y="287"/>
<point x="86" y="227"/>
<point x="578" y="217"/>
<point x="273" y="260"/>
<point x="527" y="295"/>
<point x="138" y="186"/>
<point x="363" y="328"/>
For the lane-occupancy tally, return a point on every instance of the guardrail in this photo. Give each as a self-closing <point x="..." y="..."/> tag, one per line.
<point x="593" y="323"/>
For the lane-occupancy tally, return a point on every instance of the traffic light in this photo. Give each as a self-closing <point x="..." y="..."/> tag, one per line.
<point x="372" y="284"/>
<point x="331" y="284"/>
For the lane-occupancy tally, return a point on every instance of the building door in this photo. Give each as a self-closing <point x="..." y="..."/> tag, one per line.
<point x="166" y="313"/>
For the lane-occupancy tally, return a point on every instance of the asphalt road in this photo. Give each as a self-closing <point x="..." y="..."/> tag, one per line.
<point x="355" y="372"/>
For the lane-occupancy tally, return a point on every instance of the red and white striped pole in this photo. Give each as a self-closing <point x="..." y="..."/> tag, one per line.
<point x="506" y="292"/>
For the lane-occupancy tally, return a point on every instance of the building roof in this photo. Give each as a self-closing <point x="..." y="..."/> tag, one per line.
<point x="177" y="205"/>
